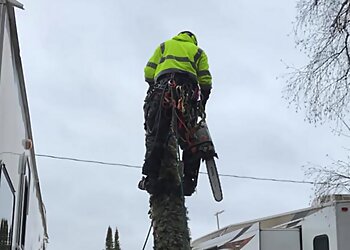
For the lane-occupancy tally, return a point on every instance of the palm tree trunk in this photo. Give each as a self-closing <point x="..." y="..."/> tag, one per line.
<point x="167" y="209"/>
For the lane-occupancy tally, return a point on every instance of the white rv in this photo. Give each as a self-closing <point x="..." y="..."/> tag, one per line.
<point x="22" y="213"/>
<point x="323" y="226"/>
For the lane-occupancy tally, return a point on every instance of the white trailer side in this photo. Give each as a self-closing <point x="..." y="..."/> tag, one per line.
<point x="22" y="212"/>
<point x="324" y="226"/>
<point x="342" y="210"/>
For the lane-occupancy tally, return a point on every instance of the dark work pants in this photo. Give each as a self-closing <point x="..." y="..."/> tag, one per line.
<point x="158" y="121"/>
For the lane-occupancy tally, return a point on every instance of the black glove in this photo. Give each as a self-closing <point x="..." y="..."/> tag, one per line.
<point x="150" y="86"/>
<point x="149" y="81"/>
<point x="205" y="92"/>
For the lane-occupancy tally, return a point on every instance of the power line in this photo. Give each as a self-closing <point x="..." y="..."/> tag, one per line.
<point x="264" y="179"/>
<point x="135" y="166"/>
<point x="88" y="161"/>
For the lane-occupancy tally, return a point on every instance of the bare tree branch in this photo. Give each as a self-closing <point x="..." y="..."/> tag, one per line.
<point x="322" y="86"/>
<point x="330" y="179"/>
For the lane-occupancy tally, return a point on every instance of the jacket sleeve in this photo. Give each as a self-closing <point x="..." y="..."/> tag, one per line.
<point x="151" y="66"/>
<point x="203" y="74"/>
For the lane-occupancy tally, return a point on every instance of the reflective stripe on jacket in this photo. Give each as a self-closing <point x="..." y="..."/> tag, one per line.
<point x="179" y="54"/>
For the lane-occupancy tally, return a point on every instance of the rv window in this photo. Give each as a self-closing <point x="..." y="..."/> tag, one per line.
<point x="25" y="204"/>
<point x="321" y="242"/>
<point x="24" y="214"/>
<point x="7" y="202"/>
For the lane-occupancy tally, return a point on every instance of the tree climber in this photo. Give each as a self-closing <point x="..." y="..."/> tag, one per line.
<point x="176" y="73"/>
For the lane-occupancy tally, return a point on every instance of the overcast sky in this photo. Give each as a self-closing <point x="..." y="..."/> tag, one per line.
<point x="83" y="62"/>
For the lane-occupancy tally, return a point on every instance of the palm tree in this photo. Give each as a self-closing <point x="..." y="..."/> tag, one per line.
<point x="167" y="209"/>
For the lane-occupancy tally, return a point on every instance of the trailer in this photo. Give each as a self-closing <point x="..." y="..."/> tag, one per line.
<point x="22" y="212"/>
<point x="323" y="226"/>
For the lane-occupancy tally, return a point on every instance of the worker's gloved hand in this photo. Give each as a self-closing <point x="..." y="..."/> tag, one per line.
<point x="205" y="92"/>
<point x="150" y="86"/>
<point x="204" y="103"/>
<point x="150" y="82"/>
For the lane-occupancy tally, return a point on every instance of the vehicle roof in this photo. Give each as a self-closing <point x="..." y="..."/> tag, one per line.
<point x="284" y="220"/>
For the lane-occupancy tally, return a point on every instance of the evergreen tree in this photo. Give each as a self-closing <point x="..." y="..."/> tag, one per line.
<point x="4" y="235"/>
<point x="116" y="240"/>
<point x="109" y="239"/>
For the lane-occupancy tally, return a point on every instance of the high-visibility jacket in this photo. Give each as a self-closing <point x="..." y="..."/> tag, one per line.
<point x="179" y="54"/>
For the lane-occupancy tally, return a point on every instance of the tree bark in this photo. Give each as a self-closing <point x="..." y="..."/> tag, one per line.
<point x="167" y="208"/>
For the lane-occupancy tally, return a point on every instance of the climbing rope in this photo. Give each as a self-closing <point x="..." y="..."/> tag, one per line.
<point x="147" y="237"/>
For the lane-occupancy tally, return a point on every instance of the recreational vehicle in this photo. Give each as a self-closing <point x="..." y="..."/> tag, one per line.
<point x="22" y="213"/>
<point x="323" y="226"/>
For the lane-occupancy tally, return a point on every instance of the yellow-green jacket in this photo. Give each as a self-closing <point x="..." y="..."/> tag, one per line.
<point x="179" y="54"/>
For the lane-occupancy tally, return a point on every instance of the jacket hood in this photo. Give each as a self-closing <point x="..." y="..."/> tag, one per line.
<point x="184" y="38"/>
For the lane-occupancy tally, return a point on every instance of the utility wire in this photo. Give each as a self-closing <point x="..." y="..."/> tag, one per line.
<point x="135" y="166"/>
<point x="263" y="179"/>
<point x="87" y="161"/>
